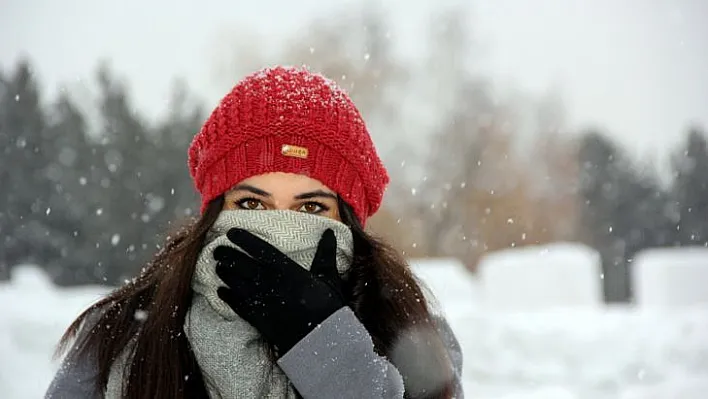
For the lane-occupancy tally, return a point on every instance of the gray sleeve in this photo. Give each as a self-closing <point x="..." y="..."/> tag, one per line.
<point x="337" y="360"/>
<point x="454" y="351"/>
<point x="76" y="376"/>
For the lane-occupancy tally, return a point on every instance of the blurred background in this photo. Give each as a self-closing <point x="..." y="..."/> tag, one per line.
<point x="548" y="160"/>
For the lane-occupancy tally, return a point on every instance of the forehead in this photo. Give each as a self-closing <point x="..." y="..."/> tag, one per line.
<point x="285" y="182"/>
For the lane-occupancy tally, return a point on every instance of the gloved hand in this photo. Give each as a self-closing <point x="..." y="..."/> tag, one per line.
<point x="282" y="300"/>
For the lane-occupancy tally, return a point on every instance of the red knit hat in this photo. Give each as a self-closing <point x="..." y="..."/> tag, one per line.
<point x="289" y="120"/>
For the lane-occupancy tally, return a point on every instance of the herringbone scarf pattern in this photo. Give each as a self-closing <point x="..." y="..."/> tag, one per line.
<point x="231" y="353"/>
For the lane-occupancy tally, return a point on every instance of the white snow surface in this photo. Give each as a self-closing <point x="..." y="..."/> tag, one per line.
<point x="541" y="277"/>
<point x="668" y="277"/>
<point x="560" y="353"/>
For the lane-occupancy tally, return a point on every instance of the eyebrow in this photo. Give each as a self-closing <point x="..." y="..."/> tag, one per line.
<point x="315" y="194"/>
<point x="254" y="190"/>
<point x="303" y="196"/>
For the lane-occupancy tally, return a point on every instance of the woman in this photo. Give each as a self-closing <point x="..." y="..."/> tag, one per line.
<point x="276" y="291"/>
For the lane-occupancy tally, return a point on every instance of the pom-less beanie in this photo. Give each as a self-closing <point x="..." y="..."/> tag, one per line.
<point x="286" y="119"/>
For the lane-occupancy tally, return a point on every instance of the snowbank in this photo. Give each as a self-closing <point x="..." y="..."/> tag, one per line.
<point x="453" y="287"/>
<point x="671" y="277"/>
<point x="582" y="353"/>
<point x="33" y="316"/>
<point x="541" y="277"/>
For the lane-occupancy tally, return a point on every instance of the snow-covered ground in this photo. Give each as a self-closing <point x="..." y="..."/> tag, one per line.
<point x="527" y="346"/>
<point x="33" y="315"/>
<point x="553" y="353"/>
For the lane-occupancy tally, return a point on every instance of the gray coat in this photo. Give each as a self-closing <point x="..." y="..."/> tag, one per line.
<point x="336" y="360"/>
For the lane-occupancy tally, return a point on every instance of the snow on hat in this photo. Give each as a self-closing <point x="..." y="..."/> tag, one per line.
<point x="287" y="119"/>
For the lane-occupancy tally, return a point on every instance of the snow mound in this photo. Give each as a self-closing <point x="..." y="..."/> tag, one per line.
<point x="541" y="277"/>
<point x="450" y="284"/>
<point x="671" y="277"/>
<point x="30" y="277"/>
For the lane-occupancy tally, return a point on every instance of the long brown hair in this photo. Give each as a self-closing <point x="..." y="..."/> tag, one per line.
<point x="384" y="295"/>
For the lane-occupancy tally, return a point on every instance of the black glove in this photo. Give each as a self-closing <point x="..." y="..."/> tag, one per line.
<point x="282" y="300"/>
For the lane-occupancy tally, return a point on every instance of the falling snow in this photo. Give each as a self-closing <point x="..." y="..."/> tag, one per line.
<point x="476" y="196"/>
<point x="140" y="315"/>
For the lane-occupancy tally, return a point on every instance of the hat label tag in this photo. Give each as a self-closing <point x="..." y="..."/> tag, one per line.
<point x="294" y="151"/>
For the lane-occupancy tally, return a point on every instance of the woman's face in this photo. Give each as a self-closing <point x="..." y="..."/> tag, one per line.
<point x="283" y="191"/>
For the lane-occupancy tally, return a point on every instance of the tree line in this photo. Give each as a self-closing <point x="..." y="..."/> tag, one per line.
<point x="90" y="196"/>
<point x="88" y="206"/>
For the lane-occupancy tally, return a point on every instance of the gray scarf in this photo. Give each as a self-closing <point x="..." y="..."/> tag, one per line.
<point x="231" y="353"/>
<point x="233" y="357"/>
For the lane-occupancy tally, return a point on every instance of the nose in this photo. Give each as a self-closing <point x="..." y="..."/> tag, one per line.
<point x="280" y="205"/>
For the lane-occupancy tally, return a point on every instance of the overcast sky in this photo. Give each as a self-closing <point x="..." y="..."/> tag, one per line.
<point x="637" y="67"/>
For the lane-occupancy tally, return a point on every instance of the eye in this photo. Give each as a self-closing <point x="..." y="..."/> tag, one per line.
<point x="250" y="204"/>
<point x="313" y="207"/>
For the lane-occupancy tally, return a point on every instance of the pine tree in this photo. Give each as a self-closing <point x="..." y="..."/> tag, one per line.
<point x="172" y="197"/>
<point x="23" y="205"/>
<point x="690" y="190"/>
<point x="121" y="224"/>
<point x="624" y="211"/>
<point x="73" y="194"/>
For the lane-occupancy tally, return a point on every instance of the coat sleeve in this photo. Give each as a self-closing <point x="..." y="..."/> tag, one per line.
<point x="454" y="352"/>
<point x="76" y="376"/>
<point x="337" y="360"/>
